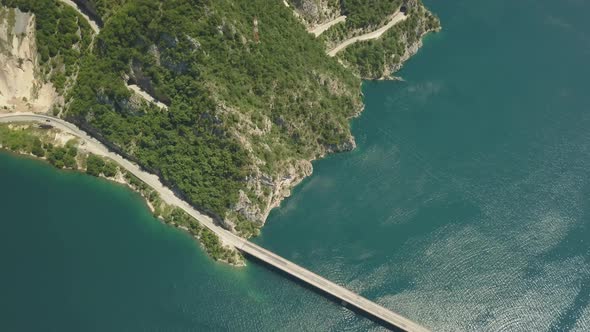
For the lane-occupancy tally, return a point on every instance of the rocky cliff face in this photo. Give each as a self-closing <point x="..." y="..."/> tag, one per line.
<point x="266" y="191"/>
<point x="411" y="39"/>
<point x="314" y="12"/>
<point x="88" y="7"/>
<point x="380" y="58"/>
<point x="21" y="87"/>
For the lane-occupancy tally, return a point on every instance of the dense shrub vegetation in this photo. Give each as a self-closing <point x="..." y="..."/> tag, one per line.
<point x="363" y="13"/>
<point x="62" y="157"/>
<point x="20" y="141"/>
<point x="202" y="60"/>
<point x="99" y="10"/>
<point x="361" y="16"/>
<point x="372" y="58"/>
<point x="240" y="104"/>
<point x="31" y="140"/>
<point x="98" y="166"/>
<point x="62" y="37"/>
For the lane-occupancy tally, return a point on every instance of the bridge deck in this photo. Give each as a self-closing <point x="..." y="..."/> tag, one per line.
<point x="360" y="303"/>
<point x="384" y="315"/>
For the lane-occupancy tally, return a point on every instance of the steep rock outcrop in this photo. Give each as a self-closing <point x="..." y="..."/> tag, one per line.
<point x="88" y="7"/>
<point x="412" y="39"/>
<point x="21" y="87"/>
<point x="314" y="12"/>
<point x="380" y="58"/>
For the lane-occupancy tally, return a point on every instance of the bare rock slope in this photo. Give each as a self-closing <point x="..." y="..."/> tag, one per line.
<point x="21" y="85"/>
<point x="315" y="12"/>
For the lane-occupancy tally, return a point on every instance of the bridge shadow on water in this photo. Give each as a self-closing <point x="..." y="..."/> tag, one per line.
<point x="323" y="293"/>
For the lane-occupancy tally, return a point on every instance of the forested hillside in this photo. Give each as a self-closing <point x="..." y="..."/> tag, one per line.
<point x="251" y="97"/>
<point x="360" y="13"/>
<point x="381" y="57"/>
<point x="62" y="39"/>
<point x="367" y="13"/>
<point x="99" y="10"/>
<point x="377" y="58"/>
<point x="243" y="113"/>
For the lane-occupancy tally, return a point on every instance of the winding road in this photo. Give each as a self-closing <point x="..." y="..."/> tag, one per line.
<point x="395" y="19"/>
<point x="318" y="30"/>
<point x="383" y="315"/>
<point x="146" y="96"/>
<point x="92" y="145"/>
<point x="134" y="88"/>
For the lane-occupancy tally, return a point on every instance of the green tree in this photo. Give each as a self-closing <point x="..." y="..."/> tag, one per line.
<point x="37" y="148"/>
<point x="94" y="165"/>
<point x="109" y="169"/>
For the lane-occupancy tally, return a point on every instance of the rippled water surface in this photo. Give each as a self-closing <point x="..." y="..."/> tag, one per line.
<point x="465" y="207"/>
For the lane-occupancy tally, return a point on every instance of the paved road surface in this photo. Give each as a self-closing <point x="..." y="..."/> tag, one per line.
<point x="384" y="315"/>
<point x="318" y="30"/>
<point x="395" y="19"/>
<point x="146" y="96"/>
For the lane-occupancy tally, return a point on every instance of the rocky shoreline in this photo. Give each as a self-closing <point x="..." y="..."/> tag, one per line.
<point x="410" y="52"/>
<point x="270" y="180"/>
<point x="282" y="185"/>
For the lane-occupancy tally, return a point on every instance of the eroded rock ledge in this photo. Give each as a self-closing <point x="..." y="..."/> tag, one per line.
<point x="21" y="85"/>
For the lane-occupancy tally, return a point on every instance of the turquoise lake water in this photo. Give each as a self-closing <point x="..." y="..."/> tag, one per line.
<point x="465" y="207"/>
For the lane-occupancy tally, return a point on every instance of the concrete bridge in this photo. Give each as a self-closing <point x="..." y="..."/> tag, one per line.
<point x="384" y="316"/>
